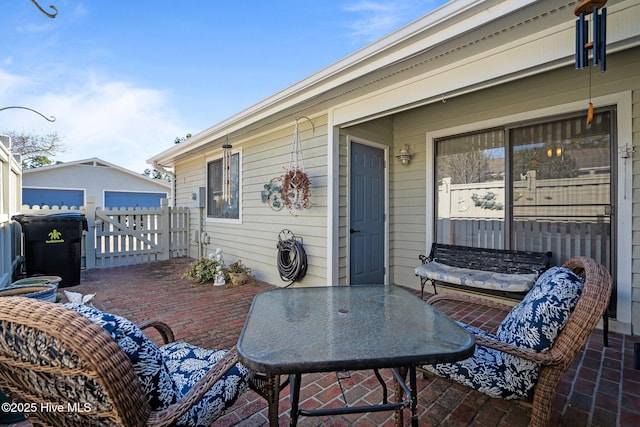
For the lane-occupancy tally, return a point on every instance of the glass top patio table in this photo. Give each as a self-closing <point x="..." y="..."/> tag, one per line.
<point x="322" y="329"/>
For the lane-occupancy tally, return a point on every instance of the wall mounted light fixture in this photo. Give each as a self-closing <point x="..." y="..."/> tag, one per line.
<point x="404" y="155"/>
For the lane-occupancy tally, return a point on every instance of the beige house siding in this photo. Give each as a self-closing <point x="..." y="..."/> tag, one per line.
<point x="635" y="267"/>
<point x="254" y="238"/>
<point x="408" y="220"/>
<point x="485" y="109"/>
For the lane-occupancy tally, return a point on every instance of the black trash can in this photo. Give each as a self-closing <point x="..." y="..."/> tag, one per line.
<point x="53" y="245"/>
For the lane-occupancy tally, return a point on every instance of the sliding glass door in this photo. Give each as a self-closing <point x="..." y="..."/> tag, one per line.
<point x="470" y="172"/>
<point x="538" y="186"/>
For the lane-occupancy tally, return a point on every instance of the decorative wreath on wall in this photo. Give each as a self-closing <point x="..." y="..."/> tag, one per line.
<point x="296" y="185"/>
<point x="296" y="189"/>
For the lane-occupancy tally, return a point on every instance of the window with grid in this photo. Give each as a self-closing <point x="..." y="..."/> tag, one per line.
<point x="219" y="206"/>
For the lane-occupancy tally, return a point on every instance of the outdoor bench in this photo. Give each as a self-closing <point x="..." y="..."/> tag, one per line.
<point x="503" y="273"/>
<point x="499" y="272"/>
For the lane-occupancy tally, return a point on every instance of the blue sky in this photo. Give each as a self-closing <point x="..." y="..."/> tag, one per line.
<point x="125" y="78"/>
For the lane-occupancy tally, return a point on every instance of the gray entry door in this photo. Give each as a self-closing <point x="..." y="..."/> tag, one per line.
<point x="367" y="211"/>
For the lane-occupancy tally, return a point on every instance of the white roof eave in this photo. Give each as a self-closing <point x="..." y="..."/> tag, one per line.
<point x="419" y="36"/>
<point x="95" y="161"/>
<point x="351" y="67"/>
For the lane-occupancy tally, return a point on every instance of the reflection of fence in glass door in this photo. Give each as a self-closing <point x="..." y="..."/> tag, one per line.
<point x="561" y="187"/>
<point x="568" y="216"/>
<point x="471" y="232"/>
<point x="565" y="239"/>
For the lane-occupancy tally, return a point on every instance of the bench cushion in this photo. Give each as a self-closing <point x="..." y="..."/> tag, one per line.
<point x="538" y="319"/>
<point x="476" y="278"/>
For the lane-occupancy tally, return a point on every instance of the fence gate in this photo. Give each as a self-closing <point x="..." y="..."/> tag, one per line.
<point x="126" y="236"/>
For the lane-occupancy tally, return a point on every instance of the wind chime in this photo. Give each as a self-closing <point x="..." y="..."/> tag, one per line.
<point x="226" y="172"/>
<point x="598" y="46"/>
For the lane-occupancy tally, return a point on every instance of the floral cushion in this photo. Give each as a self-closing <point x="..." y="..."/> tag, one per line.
<point x="538" y="319"/>
<point x="490" y="371"/>
<point x="145" y="356"/>
<point x="187" y="365"/>
<point x="534" y="323"/>
<point x="476" y="278"/>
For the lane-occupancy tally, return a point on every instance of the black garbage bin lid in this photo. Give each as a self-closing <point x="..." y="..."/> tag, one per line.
<point x="47" y="216"/>
<point x="25" y="219"/>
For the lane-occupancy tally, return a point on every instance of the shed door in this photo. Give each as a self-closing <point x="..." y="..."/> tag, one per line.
<point x="125" y="199"/>
<point x="367" y="201"/>
<point x="52" y="197"/>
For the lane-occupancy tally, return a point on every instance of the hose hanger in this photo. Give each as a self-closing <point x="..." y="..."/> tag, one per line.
<point x="292" y="258"/>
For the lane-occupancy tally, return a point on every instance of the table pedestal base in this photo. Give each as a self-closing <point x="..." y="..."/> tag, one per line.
<point x="269" y="387"/>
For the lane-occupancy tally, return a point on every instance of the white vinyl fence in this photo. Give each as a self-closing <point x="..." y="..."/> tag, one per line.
<point x="127" y="236"/>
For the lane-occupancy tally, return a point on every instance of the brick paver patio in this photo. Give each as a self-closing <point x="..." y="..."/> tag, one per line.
<point x="602" y="388"/>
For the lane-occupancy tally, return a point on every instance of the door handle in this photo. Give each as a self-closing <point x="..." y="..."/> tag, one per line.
<point x="353" y="231"/>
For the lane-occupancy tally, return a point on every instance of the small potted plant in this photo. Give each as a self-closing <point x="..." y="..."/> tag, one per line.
<point x="239" y="273"/>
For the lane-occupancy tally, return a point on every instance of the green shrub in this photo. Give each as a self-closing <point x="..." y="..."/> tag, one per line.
<point x="202" y="270"/>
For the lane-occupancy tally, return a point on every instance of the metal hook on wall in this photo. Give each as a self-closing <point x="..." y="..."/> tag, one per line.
<point x="307" y="118"/>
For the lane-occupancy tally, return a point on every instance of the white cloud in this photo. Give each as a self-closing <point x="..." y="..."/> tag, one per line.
<point x="113" y="120"/>
<point x="378" y="18"/>
<point x="10" y="82"/>
<point x="40" y="27"/>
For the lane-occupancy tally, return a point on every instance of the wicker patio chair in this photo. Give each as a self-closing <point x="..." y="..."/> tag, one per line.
<point x="70" y="371"/>
<point x="551" y="363"/>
